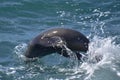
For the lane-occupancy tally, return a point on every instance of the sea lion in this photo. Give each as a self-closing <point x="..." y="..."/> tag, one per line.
<point x="48" y="42"/>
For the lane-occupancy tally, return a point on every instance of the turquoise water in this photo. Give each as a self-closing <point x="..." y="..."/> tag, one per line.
<point x="22" y="20"/>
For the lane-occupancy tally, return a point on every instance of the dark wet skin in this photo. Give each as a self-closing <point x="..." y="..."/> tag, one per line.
<point x="47" y="43"/>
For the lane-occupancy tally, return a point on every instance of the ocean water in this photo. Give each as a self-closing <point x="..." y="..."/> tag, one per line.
<point x="22" y="20"/>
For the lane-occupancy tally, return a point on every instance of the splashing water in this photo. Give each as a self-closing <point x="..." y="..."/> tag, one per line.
<point x="62" y="44"/>
<point x="20" y="50"/>
<point x="105" y="48"/>
<point x="103" y="53"/>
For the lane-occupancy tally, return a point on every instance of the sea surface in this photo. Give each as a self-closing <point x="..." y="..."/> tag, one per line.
<point x="22" y="20"/>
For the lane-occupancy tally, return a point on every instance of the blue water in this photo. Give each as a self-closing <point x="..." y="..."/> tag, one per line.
<point x="22" y="20"/>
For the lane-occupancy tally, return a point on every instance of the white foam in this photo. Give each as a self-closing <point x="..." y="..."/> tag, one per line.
<point x="105" y="48"/>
